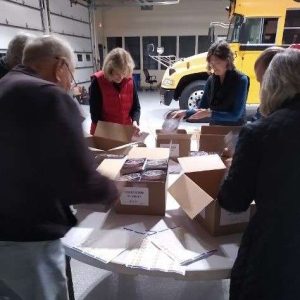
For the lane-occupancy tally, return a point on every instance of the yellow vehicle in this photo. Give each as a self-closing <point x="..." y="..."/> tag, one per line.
<point x="254" y="26"/>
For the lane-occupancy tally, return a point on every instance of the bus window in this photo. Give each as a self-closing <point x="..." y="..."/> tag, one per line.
<point x="269" y="31"/>
<point x="251" y="31"/>
<point x="291" y="32"/>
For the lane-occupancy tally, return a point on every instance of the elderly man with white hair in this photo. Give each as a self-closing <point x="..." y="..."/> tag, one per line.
<point x="45" y="168"/>
<point x="14" y="52"/>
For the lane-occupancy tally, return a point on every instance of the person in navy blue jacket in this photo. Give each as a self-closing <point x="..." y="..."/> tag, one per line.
<point x="225" y="92"/>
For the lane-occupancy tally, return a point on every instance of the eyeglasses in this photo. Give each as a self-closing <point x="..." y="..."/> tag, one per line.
<point x="67" y="65"/>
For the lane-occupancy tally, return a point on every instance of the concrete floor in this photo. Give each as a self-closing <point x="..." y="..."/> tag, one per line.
<point x="95" y="284"/>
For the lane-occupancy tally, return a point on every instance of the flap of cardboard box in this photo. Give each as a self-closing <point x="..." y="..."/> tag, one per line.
<point x="179" y="134"/>
<point x="201" y="163"/>
<point x="97" y="144"/>
<point x="217" y="129"/>
<point x="206" y="172"/>
<point x="111" y="167"/>
<point x="150" y="153"/>
<point x="114" y="131"/>
<point x="189" y="196"/>
<point x="212" y="143"/>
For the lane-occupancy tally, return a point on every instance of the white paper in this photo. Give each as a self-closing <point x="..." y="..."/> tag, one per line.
<point x="174" y="149"/>
<point x="105" y="245"/>
<point x="141" y="228"/>
<point x="179" y="245"/>
<point x="147" y="256"/>
<point x="228" y="218"/>
<point x="135" y="196"/>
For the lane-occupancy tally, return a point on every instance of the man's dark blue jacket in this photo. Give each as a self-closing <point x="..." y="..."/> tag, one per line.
<point x="45" y="165"/>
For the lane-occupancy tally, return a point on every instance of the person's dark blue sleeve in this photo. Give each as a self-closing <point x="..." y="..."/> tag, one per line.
<point x="239" y="187"/>
<point x="135" y="112"/>
<point x="239" y="108"/>
<point x="95" y="101"/>
<point x="204" y="103"/>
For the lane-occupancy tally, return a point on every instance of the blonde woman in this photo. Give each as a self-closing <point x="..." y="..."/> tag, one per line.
<point x="266" y="168"/>
<point x="113" y="96"/>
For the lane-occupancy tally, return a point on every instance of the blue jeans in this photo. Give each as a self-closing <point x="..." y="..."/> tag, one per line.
<point x="32" y="271"/>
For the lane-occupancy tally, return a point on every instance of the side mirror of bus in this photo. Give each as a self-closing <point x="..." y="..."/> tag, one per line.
<point x="211" y="34"/>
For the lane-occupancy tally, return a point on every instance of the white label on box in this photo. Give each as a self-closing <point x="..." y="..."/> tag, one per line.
<point x="174" y="151"/>
<point x="135" y="196"/>
<point x="202" y="213"/>
<point x="228" y="218"/>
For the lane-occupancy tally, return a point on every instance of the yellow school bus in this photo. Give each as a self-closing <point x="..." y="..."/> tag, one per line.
<point x="254" y="25"/>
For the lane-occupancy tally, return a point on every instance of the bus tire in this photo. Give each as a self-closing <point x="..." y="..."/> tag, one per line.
<point x="192" y="93"/>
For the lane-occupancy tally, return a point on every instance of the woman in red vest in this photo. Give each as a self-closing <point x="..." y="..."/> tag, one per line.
<point x="113" y="96"/>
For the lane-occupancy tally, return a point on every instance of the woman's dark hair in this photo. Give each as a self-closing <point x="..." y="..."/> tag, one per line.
<point x="221" y="50"/>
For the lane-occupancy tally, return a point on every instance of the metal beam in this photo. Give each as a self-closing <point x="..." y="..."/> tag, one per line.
<point x="132" y="3"/>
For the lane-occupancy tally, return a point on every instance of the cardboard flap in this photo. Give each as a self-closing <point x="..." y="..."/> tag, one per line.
<point x="201" y="163"/>
<point x="218" y="129"/>
<point x="212" y="143"/>
<point x="105" y="143"/>
<point x="111" y="167"/>
<point x="150" y="153"/>
<point x="189" y="196"/>
<point x="179" y="134"/>
<point x="209" y="181"/>
<point x="120" y="133"/>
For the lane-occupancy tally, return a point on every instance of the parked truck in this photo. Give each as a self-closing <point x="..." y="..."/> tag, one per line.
<point x="254" y="25"/>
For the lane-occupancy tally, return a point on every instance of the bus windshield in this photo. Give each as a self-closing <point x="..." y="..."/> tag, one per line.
<point x="234" y="29"/>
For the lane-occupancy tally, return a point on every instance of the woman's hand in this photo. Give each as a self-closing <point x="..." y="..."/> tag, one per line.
<point x="178" y="114"/>
<point x="136" y="128"/>
<point x="200" y="114"/>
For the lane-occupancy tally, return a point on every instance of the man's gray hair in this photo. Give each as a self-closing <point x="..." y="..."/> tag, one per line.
<point x="15" y="48"/>
<point x="47" y="47"/>
<point x="281" y="81"/>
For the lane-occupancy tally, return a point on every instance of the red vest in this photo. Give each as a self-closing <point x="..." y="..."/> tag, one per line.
<point x="116" y="105"/>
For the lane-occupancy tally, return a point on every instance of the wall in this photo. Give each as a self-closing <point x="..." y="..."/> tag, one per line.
<point x="189" y="17"/>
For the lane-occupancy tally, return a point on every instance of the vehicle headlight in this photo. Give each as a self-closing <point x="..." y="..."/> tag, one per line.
<point x="168" y="81"/>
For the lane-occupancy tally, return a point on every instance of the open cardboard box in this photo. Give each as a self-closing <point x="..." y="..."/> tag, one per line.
<point x="145" y="198"/>
<point x="196" y="190"/>
<point x="179" y="142"/>
<point x="112" y="138"/>
<point x="212" y="137"/>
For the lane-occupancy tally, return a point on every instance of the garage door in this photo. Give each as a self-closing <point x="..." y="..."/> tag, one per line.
<point x="72" y="22"/>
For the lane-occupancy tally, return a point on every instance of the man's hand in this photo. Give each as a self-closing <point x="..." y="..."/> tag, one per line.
<point x="200" y="114"/>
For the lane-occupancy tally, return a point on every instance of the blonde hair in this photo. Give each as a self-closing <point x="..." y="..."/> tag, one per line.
<point x="281" y="81"/>
<point x="118" y="60"/>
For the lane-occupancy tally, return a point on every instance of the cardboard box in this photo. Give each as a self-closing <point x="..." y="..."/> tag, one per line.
<point x="112" y="138"/>
<point x="218" y="129"/>
<point x="145" y="198"/>
<point x="179" y="142"/>
<point x="212" y="137"/>
<point x="196" y="190"/>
